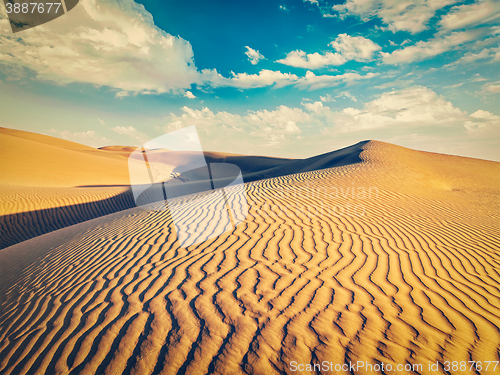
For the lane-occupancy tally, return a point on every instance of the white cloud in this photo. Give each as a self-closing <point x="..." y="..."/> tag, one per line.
<point x="317" y="107"/>
<point x="348" y="95"/>
<point x="433" y="47"/>
<point x="485" y="115"/>
<point x="355" y="47"/>
<point x="253" y="56"/>
<point x="347" y="47"/>
<point x="300" y="59"/>
<point x="482" y="120"/>
<point x="313" y="82"/>
<point x="190" y="95"/>
<point x="246" y="81"/>
<point x="326" y="98"/>
<point x="411" y="107"/>
<point x="104" y="43"/>
<point x="278" y="79"/>
<point x="414" y="106"/>
<point x="412" y="110"/>
<point x="131" y="132"/>
<point x="121" y="94"/>
<point x="471" y="57"/>
<point x="267" y="127"/>
<point x="411" y="16"/>
<point x="462" y="16"/>
<point x="90" y="137"/>
<point x="101" y="122"/>
<point x="492" y="87"/>
<point x="116" y="44"/>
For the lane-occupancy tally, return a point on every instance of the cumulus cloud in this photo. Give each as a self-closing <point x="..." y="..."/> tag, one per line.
<point x="355" y="47"/>
<point x="116" y="44"/>
<point x="422" y="50"/>
<point x="278" y="79"/>
<point x="189" y="94"/>
<point x="411" y="106"/>
<point x="463" y="16"/>
<point x="492" y="87"/>
<point x="314" y="82"/>
<point x="412" y="110"/>
<point x="265" y="77"/>
<point x="253" y="56"/>
<point x="348" y="48"/>
<point x="411" y="16"/>
<point x="131" y="132"/>
<point x="89" y="137"/>
<point x="326" y="98"/>
<point x="482" y="120"/>
<point x="104" y="43"/>
<point x="268" y="127"/>
<point x="470" y="57"/>
<point x="301" y="59"/>
<point x="347" y="95"/>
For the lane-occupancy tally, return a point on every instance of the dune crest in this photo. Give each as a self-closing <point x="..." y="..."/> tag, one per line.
<point x="48" y="183"/>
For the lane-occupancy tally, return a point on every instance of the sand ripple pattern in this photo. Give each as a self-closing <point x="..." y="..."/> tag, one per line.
<point x="29" y="212"/>
<point x="413" y="280"/>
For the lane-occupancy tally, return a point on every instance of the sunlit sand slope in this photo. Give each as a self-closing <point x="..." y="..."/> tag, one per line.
<point x="48" y="183"/>
<point x="28" y="212"/>
<point x="408" y="274"/>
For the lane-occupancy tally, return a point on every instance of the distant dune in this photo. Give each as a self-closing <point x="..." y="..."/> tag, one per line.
<point x="48" y="183"/>
<point x="385" y="256"/>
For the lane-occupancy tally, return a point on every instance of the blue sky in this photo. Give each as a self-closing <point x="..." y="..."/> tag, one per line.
<point x="280" y="78"/>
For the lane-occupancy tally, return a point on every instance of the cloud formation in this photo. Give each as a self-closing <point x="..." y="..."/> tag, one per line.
<point x="412" y="16"/>
<point x="253" y="56"/>
<point x="355" y="47"/>
<point x="482" y="120"/>
<point x="435" y="46"/>
<point x="492" y="87"/>
<point x="463" y="16"/>
<point x="348" y="48"/>
<point x="89" y="137"/>
<point x="416" y="106"/>
<point x="132" y="133"/>
<point x="270" y="128"/>
<point x="314" y="82"/>
<point x="103" y="43"/>
<point x="265" y="78"/>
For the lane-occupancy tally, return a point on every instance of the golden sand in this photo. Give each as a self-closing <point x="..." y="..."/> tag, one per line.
<point x="408" y="274"/>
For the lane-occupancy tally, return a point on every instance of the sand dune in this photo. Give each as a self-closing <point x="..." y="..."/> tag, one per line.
<point x="48" y="183"/>
<point x="36" y="160"/>
<point x="393" y="260"/>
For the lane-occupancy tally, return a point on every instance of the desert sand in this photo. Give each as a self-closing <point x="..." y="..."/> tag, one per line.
<point x="391" y="257"/>
<point x="48" y="183"/>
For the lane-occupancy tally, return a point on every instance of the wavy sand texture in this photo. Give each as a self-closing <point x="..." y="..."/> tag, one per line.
<point x="410" y="275"/>
<point x="48" y="183"/>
